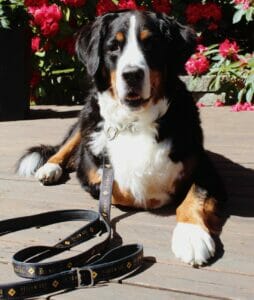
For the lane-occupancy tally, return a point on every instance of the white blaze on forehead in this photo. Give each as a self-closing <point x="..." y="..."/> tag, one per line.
<point x="132" y="56"/>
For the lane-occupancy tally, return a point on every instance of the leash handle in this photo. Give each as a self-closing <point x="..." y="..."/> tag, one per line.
<point x="106" y="192"/>
<point x="77" y="271"/>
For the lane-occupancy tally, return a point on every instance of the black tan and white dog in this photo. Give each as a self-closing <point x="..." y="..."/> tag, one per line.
<point x="139" y="115"/>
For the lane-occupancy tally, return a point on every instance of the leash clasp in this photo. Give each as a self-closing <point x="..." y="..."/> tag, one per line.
<point x="79" y="276"/>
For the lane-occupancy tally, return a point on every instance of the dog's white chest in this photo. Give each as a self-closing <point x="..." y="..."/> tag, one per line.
<point x="142" y="165"/>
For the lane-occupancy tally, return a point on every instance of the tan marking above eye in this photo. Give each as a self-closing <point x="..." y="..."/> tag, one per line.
<point x="119" y="36"/>
<point x="144" y="34"/>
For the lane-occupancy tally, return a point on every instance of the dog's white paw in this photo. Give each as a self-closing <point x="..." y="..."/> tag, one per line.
<point x="49" y="173"/>
<point x="192" y="244"/>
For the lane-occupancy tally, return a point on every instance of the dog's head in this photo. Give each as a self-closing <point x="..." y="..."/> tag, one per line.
<point x="133" y="54"/>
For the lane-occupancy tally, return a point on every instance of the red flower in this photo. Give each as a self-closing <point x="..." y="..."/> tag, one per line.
<point x="67" y="44"/>
<point x="228" y="49"/>
<point x="127" y="4"/>
<point x="104" y="6"/>
<point x="47" y="17"/>
<point x="35" y="43"/>
<point x="36" y="78"/>
<point x="74" y="3"/>
<point x="162" y="6"/>
<point x="196" y="65"/>
<point x="211" y="12"/>
<point x="35" y="3"/>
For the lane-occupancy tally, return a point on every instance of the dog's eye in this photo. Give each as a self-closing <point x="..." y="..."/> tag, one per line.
<point x="114" y="46"/>
<point x="150" y="42"/>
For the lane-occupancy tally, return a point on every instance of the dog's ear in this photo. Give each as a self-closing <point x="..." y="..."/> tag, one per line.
<point x="89" y="43"/>
<point x="181" y="41"/>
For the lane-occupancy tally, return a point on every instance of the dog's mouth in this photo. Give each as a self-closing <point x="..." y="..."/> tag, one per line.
<point x="134" y="100"/>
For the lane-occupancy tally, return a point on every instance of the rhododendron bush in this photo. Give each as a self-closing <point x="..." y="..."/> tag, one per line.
<point x="58" y="77"/>
<point x="232" y="71"/>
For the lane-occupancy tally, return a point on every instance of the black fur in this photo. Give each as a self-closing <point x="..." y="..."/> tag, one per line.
<point x="165" y="51"/>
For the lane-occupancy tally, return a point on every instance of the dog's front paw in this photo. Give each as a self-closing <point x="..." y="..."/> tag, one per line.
<point x="192" y="244"/>
<point x="49" y="173"/>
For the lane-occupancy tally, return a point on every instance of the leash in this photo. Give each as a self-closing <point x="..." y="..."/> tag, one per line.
<point x="82" y="270"/>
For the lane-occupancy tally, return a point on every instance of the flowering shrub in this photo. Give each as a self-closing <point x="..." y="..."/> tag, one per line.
<point x="58" y="77"/>
<point x="12" y="14"/>
<point x="243" y="8"/>
<point x="232" y="71"/>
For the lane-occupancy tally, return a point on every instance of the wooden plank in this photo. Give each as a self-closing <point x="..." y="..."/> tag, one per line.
<point x="196" y="281"/>
<point x="109" y="291"/>
<point x="229" y="277"/>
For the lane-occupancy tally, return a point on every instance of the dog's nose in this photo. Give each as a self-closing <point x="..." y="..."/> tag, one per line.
<point x="133" y="75"/>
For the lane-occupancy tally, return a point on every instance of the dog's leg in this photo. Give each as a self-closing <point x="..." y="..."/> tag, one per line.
<point x="52" y="170"/>
<point x="89" y="170"/>
<point x="200" y="216"/>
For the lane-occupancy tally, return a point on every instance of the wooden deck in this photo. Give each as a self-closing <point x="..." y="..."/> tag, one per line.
<point x="230" y="139"/>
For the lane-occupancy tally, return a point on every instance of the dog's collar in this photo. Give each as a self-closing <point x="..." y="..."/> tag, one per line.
<point x="112" y="131"/>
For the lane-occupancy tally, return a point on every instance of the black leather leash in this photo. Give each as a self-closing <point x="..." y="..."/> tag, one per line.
<point x="82" y="270"/>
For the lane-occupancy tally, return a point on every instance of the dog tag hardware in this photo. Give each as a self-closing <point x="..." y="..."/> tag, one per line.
<point x="76" y="271"/>
<point x="111" y="133"/>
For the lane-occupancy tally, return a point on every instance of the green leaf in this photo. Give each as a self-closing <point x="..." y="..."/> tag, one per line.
<point x="251" y="62"/>
<point x="216" y="57"/>
<point x="248" y="15"/>
<point x="249" y="95"/>
<point x="217" y="82"/>
<point x="250" y="79"/>
<point x="208" y="52"/>
<point x="240" y="94"/>
<point x="237" y="16"/>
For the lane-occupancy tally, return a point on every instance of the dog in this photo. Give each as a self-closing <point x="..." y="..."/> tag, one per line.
<point x="139" y="116"/>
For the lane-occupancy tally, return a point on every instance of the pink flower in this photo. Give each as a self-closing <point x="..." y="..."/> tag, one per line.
<point x="201" y="48"/>
<point x="200" y="104"/>
<point x="35" y="43"/>
<point x="242" y="107"/>
<point x="229" y="50"/>
<point x="218" y="103"/>
<point x="196" y="65"/>
<point x="162" y="6"/>
<point x="245" y="3"/>
<point x="105" y="6"/>
<point x="74" y="3"/>
<point x="47" y="17"/>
